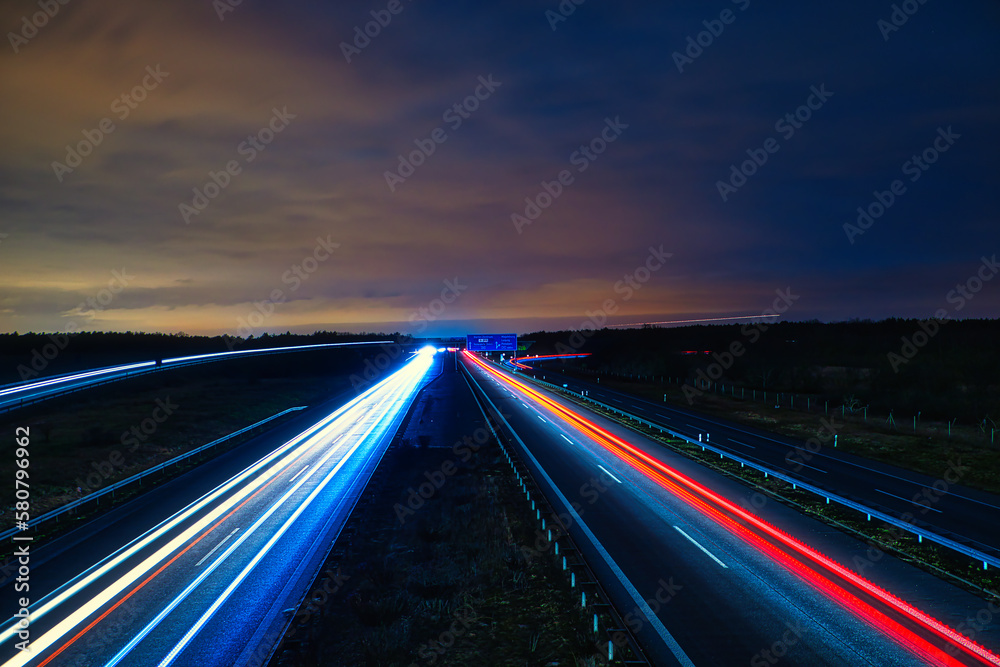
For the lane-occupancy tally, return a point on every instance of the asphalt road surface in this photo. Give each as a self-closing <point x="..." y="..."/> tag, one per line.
<point x="209" y="583"/>
<point x="703" y="583"/>
<point x="940" y="504"/>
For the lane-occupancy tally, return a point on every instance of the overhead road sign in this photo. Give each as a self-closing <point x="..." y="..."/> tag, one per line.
<point x="491" y="342"/>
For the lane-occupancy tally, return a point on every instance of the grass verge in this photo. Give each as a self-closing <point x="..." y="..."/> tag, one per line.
<point x="87" y="441"/>
<point x="925" y="451"/>
<point x="883" y="538"/>
<point x="454" y="582"/>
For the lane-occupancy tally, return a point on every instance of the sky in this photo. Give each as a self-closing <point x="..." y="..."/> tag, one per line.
<point x="241" y="168"/>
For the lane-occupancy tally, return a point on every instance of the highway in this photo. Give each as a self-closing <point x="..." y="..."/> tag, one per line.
<point x="941" y="504"/>
<point x="210" y="583"/>
<point x="730" y="587"/>
<point x="18" y="394"/>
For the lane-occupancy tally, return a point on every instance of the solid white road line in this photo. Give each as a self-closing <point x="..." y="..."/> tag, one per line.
<point x="640" y="602"/>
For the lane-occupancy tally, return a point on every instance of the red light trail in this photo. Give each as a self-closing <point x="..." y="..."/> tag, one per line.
<point x="784" y="549"/>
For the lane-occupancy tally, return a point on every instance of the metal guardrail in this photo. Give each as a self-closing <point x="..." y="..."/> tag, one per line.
<point x="31" y="400"/>
<point x="152" y="367"/>
<point x="921" y="533"/>
<point x="618" y="633"/>
<point x="138" y="477"/>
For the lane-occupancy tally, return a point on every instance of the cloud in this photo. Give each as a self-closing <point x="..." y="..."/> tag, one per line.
<point x="323" y="176"/>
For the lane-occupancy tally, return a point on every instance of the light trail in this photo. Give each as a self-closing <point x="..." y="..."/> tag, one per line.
<point x="740" y="522"/>
<point x="216" y="355"/>
<point x="76" y="376"/>
<point x="175" y="361"/>
<point x="333" y="441"/>
<point x="351" y="410"/>
<point x="516" y="361"/>
<point x="221" y="599"/>
<point x="706" y="319"/>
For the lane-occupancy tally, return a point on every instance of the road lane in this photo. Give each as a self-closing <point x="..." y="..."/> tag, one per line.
<point x="210" y="575"/>
<point x="968" y="515"/>
<point x="753" y="599"/>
